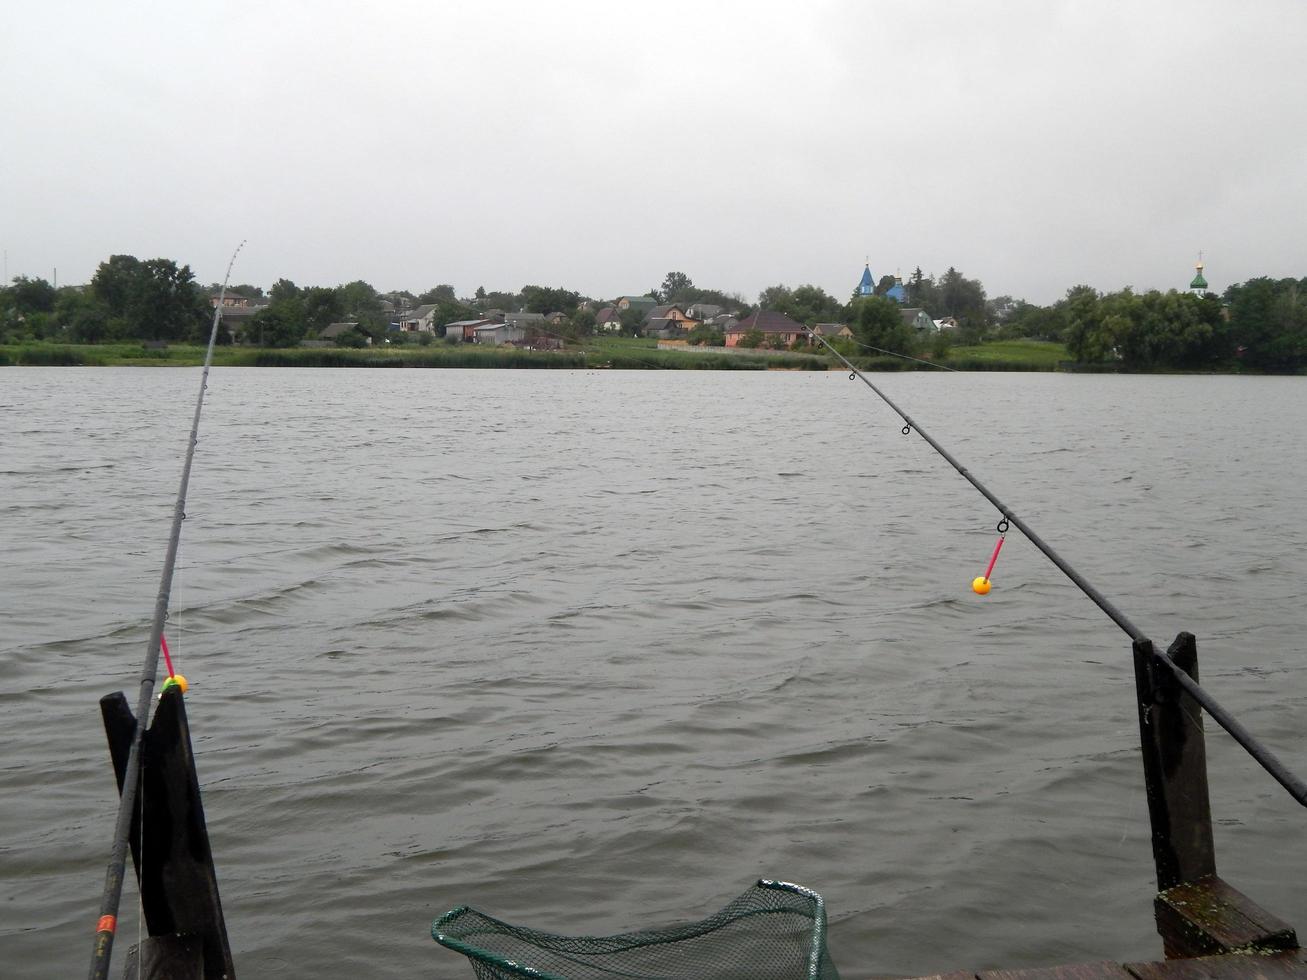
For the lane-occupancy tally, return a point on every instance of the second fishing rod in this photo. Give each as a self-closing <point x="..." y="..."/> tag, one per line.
<point x="1295" y="785"/>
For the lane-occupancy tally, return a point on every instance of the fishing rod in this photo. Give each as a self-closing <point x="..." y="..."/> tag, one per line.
<point x="1295" y="785"/>
<point x="113" y="883"/>
<point x="1005" y="512"/>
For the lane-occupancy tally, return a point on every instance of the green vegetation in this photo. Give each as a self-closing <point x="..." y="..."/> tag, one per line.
<point x="152" y="312"/>
<point x="626" y="354"/>
<point x="1007" y="355"/>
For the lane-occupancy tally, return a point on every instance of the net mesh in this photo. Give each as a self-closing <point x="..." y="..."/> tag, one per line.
<point x="774" y="931"/>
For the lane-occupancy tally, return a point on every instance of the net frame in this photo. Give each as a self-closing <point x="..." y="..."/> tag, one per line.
<point x="473" y="934"/>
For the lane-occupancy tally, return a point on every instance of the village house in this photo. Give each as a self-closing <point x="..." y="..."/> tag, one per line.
<point x="419" y="320"/>
<point x="333" y="331"/>
<point x="607" y="320"/>
<point x="642" y="303"/>
<point x="464" y="331"/>
<point x="494" y="334"/>
<point x="236" y="317"/>
<point x="234" y="301"/>
<point x="773" y="326"/>
<point x="668" y="321"/>
<point x="832" y="330"/>
<point x="558" y="319"/>
<point x="702" y="311"/>
<point x="918" y="319"/>
<point x="523" y="319"/>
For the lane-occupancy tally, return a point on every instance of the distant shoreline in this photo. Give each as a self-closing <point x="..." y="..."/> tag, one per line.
<point x="592" y="354"/>
<point x="1016" y="355"/>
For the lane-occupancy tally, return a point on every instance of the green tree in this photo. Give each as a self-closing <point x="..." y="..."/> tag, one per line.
<point x="778" y="298"/>
<point x="444" y="293"/>
<point x="357" y="298"/>
<point x="1268" y="323"/>
<point x="753" y="338"/>
<point x="165" y="305"/>
<point x="84" y="317"/>
<point x="1083" y="317"/>
<point x="631" y="320"/>
<point x="281" y="324"/>
<point x="352" y="338"/>
<point x="547" y="299"/>
<point x="374" y="323"/>
<point x="878" y="322"/>
<point x="114" y="281"/>
<point x="940" y="344"/>
<point x="283" y="289"/>
<point x="962" y="298"/>
<point x="811" y="304"/>
<point x="153" y="299"/>
<point x="920" y="290"/>
<point x="323" y="306"/>
<point x="582" y="323"/>
<point x="677" y="288"/>
<point x="31" y="295"/>
<point x="705" y="336"/>
<point x="1026" y="320"/>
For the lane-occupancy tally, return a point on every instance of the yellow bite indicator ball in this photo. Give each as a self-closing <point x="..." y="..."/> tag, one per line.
<point x="176" y="680"/>
<point x="979" y="585"/>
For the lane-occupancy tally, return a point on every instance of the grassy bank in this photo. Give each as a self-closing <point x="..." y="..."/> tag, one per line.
<point x="621" y="353"/>
<point x="616" y="353"/>
<point x="1008" y="355"/>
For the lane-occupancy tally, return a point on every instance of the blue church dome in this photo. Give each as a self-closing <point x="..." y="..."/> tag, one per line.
<point x="896" y="292"/>
<point x="866" y="284"/>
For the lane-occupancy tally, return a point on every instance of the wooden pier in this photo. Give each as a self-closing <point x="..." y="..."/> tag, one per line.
<point x="1232" y="966"/>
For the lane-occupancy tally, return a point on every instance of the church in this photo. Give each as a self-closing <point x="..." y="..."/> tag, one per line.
<point x="867" y="287"/>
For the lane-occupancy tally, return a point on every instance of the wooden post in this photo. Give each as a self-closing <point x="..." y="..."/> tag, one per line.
<point x="174" y="864"/>
<point x="1175" y="765"/>
<point x="1197" y="913"/>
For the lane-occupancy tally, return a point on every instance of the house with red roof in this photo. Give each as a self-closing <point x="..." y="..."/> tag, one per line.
<point x="772" y="325"/>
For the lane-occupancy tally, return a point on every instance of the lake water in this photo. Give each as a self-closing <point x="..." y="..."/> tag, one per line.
<point x="595" y="650"/>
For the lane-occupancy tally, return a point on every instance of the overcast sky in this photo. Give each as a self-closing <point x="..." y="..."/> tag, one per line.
<point x="596" y="145"/>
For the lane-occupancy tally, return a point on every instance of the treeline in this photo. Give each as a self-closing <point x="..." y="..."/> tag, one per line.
<point x="1260" y="324"/>
<point x="127" y="299"/>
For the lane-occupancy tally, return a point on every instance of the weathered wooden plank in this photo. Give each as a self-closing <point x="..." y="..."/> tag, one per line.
<point x="1106" y="970"/>
<point x="1284" y="965"/>
<point x="1208" y="916"/>
<point x="1234" y="966"/>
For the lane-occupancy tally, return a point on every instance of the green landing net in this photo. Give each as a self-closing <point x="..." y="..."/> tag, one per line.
<point x="774" y="931"/>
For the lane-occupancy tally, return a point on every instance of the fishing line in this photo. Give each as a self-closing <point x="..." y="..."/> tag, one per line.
<point x="113" y="883"/>
<point x="919" y="360"/>
<point x="1265" y="757"/>
<point x="1005" y="512"/>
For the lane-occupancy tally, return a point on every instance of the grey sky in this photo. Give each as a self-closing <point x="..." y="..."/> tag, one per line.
<point x="598" y="145"/>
